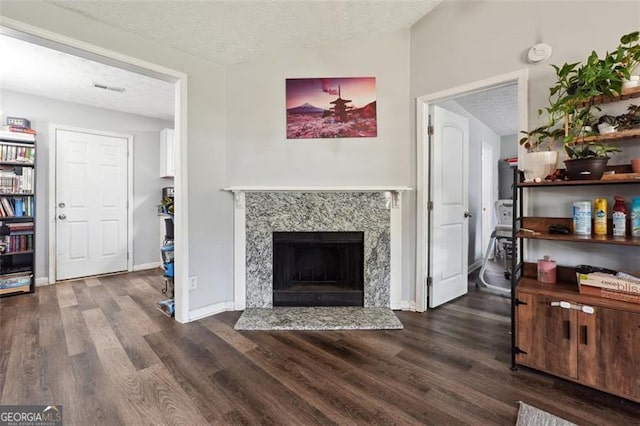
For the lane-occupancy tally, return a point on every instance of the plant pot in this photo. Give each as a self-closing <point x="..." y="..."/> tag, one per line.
<point x="635" y="165"/>
<point x="539" y="164"/>
<point x="586" y="168"/>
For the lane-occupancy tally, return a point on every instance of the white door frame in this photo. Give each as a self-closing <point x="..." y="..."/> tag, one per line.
<point x="424" y="167"/>
<point x="487" y="175"/>
<point x="180" y="80"/>
<point x="53" y="149"/>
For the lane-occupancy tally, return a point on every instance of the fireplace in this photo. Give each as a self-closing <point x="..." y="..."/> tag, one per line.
<point x="318" y="268"/>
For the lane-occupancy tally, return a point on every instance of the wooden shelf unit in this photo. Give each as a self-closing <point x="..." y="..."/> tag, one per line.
<point x="594" y="342"/>
<point x="540" y="226"/>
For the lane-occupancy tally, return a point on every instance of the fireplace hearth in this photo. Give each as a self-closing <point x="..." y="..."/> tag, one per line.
<point x="318" y="268"/>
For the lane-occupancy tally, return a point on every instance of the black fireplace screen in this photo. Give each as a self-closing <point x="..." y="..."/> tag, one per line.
<point x="318" y="268"/>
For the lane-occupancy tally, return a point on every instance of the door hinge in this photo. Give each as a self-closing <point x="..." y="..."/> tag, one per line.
<point x="429" y="281"/>
<point x="430" y="130"/>
<point x="430" y="205"/>
<point x="127" y="255"/>
<point x="518" y="351"/>
<point x="519" y="302"/>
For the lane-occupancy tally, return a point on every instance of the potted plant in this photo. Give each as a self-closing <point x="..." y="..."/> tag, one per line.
<point x="540" y="159"/>
<point x="607" y="124"/>
<point x="587" y="160"/>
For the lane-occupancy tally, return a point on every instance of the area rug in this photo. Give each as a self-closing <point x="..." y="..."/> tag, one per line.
<point x="318" y="318"/>
<point x="532" y="416"/>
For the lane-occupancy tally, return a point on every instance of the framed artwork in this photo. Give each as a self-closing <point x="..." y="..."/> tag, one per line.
<point x="331" y="108"/>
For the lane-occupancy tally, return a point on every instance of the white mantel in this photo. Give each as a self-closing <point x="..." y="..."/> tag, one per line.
<point x="318" y="188"/>
<point x="393" y="194"/>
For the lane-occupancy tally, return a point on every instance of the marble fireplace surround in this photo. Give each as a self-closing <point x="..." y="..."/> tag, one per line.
<point x="259" y="211"/>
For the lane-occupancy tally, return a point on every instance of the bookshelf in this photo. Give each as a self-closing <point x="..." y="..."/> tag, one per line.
<point x="17" y="213"/>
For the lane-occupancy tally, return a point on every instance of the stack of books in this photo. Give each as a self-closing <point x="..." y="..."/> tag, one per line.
<point x="512" y="162"/>
<point x="18" y="129"/>
<point x="609" y="284"/>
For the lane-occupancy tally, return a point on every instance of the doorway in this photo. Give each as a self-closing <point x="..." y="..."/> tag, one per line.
<point x="178" y="79"/>
<point x="428" y="244"/>
<point x="93" y="222"/>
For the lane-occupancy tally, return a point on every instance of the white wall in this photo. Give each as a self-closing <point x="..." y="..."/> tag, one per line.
<point x="210" y="236"/>
<point x="509" y="146"/>
<point x="146" y="163"/>
<point x="457" y="43"/>
<point x="478" y="133"/>
<point x="258" y="152"/>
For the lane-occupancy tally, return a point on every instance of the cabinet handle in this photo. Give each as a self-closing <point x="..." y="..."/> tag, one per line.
<point x="584" y="333"/>
<point x="567" y="329"/>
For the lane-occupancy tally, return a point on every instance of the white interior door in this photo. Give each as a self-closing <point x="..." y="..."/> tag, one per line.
<point x="488" y="168"/>
<point x="448" y="249"/>
<point x="91" y="204"/>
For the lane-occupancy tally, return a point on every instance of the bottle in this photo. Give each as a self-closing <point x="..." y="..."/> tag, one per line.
<point x="619" y="217"/>
<point x="635" y="216"/>
<point x="600" y="216"/>
<point x="582" y="218"/>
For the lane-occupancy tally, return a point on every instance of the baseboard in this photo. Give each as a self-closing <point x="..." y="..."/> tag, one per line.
<point x="408" y="305"/>
<point x="475" y="265"/>
<point x="145" y="266"/>
<point x="207" y="311"/>
<point x="42" y="281"/>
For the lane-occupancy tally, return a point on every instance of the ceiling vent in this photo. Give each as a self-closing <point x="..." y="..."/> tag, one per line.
<point x="111" y="88"/>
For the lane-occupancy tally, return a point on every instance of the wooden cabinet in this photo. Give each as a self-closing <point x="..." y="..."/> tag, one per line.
<point x="546" y="336"/>
<point x="608" y="344"/>
<point x="167" y="147"/>
<point x="586" y="339"/>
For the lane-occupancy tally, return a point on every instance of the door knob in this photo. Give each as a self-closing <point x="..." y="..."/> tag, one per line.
<point x="62" y="216"/>
<point x="467" y="214"/>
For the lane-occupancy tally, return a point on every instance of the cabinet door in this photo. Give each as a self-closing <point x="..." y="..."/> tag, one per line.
<point x="608" y="344"/>
<point x="547" y="334"/>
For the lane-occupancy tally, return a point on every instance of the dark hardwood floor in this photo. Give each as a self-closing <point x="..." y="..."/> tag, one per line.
<point x="102" y="349"/>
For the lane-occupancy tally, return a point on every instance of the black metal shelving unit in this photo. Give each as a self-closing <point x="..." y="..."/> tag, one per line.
<point x="517" y="255"/>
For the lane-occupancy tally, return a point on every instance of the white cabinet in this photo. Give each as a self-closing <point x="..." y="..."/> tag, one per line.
<point x="167" y="165"/>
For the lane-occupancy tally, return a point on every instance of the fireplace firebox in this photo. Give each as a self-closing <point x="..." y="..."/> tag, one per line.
<point x="318" y="268"/>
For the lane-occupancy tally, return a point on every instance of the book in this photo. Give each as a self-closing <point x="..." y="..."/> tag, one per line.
<point x="609" y="282"/>
<point x="609" y="294"/>
<point x="21" y="130"/>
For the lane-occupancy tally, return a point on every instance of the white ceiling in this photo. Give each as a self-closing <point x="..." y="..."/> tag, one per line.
<point x="497" y="108"/>
<point x="33" y="69"/>
<point x="232" y="31"/>
<point x="222" y="31"/>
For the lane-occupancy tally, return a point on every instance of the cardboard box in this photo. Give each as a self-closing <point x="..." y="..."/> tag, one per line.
<point x="608" y="282"/>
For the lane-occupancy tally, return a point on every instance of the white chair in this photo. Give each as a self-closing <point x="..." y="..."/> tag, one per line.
<point x="500" y="242"/>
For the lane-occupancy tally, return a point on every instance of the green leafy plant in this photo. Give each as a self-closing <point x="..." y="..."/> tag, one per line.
<point x="572" y="100"/>
<point x="589" y="150"/>
<point x="540" y="139"/>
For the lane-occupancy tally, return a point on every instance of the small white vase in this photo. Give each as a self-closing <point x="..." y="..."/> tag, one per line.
<point x="539" y="164"/>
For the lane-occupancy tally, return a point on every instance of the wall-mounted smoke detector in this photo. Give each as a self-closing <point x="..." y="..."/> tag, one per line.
<point x="111" y="88"/>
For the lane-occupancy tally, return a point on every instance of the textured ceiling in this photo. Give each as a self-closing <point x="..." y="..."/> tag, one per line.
<point x="29" y="68"/>
<point x="497" y="108"/>
<point x="232" y="31"/>
<point x="222" y="31"/>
